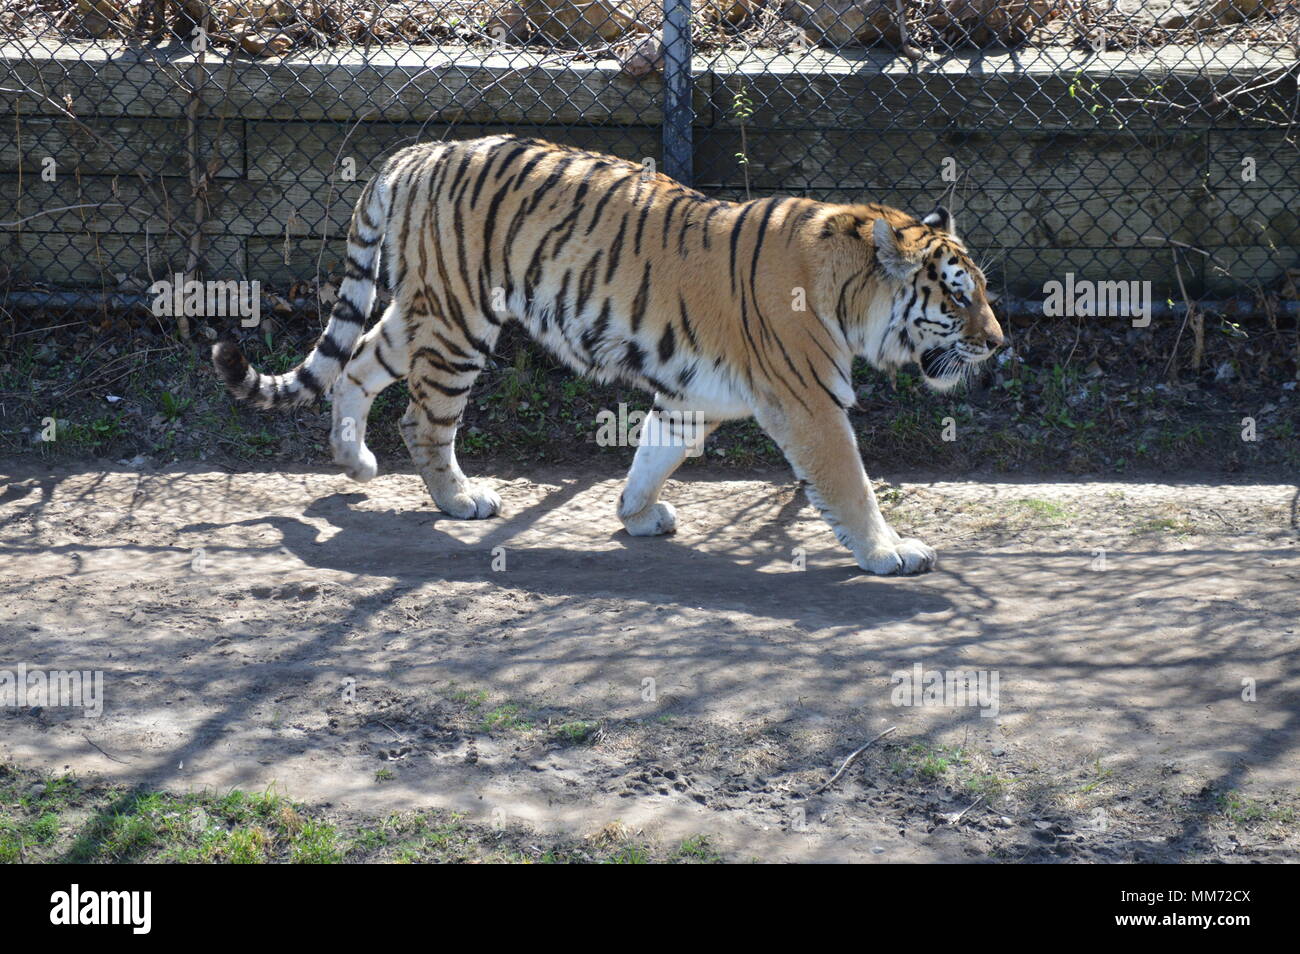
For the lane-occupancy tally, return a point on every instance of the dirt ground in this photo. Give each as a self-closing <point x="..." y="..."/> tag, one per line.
<point x="357" y="649"/>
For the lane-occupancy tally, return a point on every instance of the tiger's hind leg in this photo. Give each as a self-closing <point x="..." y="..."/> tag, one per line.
<point x="443" y="369"/>
<point x="667" y="438"/>
<point x="378" y="360"/>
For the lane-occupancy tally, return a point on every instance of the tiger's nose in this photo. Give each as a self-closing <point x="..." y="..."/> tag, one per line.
<point x="990" y="329"/>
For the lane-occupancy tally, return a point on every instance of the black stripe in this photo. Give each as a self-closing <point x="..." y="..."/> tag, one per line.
<point x="642" y="299"/>
<point x="593" y="336"/>
<point x="816" y="377"/>
<point x="308" y="380"/>
<point x="449" y="391"/>
<point x="587" y="283"/>
<point x="346" y="312"/>
<point x="668" y="218"/>
<point x="667" y="344"/>
<point x="600" y="206"/>
<point x="735" y="242"/>
<point x="640" y="227"/>
<point x="686" y="322"/>
<point x="616" y="250"/>
<point x="482" y="177"/>
<point x="331" y="348"/>
<point x="379" y="354"/>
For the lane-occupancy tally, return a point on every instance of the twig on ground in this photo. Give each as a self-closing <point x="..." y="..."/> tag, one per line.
<point x="849" y="761"/>
<point x="102" y="752"/>
<point x="955" y="817"/>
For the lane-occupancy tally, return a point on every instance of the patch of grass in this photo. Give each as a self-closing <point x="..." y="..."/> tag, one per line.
<point x="59" y="819"/>
<point x="929" y="763"/>
<point x="505" y="718"/>
<point x="697" y="849"/>
<point x="281" y="355"/>
<point x="1245" y="812"/>
<point x="890" y="495"/>
<point x="989" y="785"/>
<point x="469" y="697"/>
<point x="172" y="407"/>
<point x="1043" y="508"/>
<point x="629" y="855"/>
<point x="1165" y="525"/>
<point x="1099" y="776"/>
<point x="576" y="733"/>
<point x="316" y="844"/>
<point x="91" y="436"/>
<point x="1040" y="407"/>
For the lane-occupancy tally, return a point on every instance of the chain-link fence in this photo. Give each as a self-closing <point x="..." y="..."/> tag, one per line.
<point x="228" y="139"/>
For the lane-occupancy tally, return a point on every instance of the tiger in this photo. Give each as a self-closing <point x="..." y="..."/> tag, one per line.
<point x="724" y="310"/>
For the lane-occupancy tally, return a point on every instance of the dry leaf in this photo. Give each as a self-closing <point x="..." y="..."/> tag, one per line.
<point x="984" y="22"/>
<point x="845" y="22"/>
<point x="1214" y="13"/>
<point x="643" y="57"/>
<point x="581" y="21"/>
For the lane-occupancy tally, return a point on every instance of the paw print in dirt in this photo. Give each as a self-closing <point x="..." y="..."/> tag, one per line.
<point x="660" y="781"/>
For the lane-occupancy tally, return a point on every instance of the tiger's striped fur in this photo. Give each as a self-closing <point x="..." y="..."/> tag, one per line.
<point x="722" y="309"/>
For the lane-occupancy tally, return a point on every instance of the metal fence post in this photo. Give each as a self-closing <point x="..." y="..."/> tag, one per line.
<point x="679" y="150"/>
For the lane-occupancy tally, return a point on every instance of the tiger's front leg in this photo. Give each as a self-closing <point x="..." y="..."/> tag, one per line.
<point x="824" y="453"/>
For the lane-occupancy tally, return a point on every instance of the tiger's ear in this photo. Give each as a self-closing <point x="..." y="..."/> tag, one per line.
<point x="941" y="219"/>
<point x="897" y="261"/>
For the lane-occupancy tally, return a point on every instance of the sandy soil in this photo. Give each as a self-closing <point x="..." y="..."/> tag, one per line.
<point x="1121" y="731"/>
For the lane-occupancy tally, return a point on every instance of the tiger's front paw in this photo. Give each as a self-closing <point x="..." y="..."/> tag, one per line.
<point x="471" y="502"/>
<point x="653" y="521"/>
<point x="917" y="557"/>
<point x="909" y="556"/>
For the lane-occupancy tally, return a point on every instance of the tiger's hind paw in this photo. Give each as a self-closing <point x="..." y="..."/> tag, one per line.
<point x="360" y="467"/>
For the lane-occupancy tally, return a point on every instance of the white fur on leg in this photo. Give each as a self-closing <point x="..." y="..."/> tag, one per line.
<point x="348" y="433"/>
<point x="655" y="459"/>
<point x="352" y="400"/>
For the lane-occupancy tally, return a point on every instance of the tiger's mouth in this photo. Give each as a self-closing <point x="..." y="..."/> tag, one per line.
<point x="943" y="364"/>
<point x="945" y="368"/>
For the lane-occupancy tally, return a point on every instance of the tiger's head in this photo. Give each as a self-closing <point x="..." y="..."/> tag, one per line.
<point x="938" y="309"/>
<point x="940" y="316"/>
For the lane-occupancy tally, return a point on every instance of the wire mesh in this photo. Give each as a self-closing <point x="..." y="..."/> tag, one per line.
<point x="229" y="139"/>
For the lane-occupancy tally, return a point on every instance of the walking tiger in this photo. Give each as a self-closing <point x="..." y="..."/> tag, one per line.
<point x="722" y="309"/>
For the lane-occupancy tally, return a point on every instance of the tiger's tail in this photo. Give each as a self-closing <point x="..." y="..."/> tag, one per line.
<point x="320" y="369"/>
